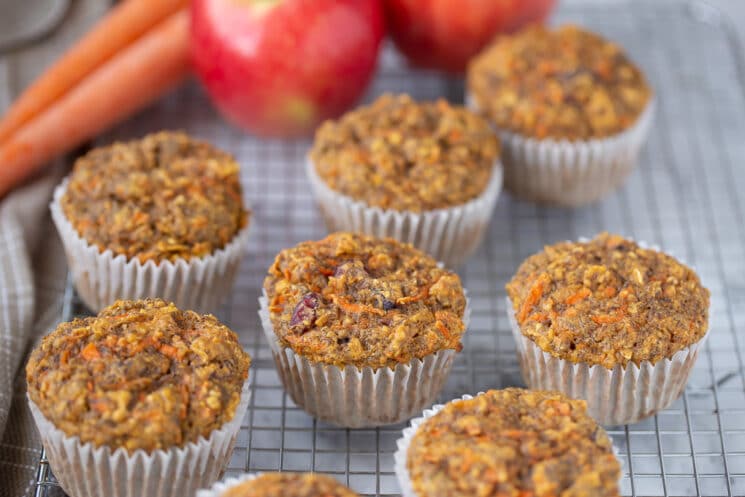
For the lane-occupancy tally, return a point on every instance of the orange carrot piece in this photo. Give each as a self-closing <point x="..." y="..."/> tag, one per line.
<point x="358" y="308"/>
<point x="607" y="318"/>
<point x="443" y="329"/>
<point x="129" y="81"/>
<point x="413" y="298"/>
<point x="532" y="299"/>
<point x="609" y="291"/>
<point x="168" y="350"/>
<point x="127" y="22"/>
<point x="539" y="316"/>
<point x="90" y="352"/>
<point x="610" y="318"/>
<point x="578" y="297"/>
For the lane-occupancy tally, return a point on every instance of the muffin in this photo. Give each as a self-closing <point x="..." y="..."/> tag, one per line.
<point x="571" y="109"/>
<point x="143" y="399"/>
<point x="363" y="330"/>
<point x="158" y="217"/>
<point x="507" y="442"/>
<point x="608" y="321"/>
<point x="425" y="173"/>
<point x="275" y="484"/>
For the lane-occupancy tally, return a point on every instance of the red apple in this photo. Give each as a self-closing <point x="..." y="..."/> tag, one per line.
<point x="446" y="34"/>
<point x="280" y="67"/>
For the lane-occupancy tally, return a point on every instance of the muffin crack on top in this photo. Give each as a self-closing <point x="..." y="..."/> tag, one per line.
<point x="165" y="197"/>
<point x="140" y="375"/>
<point x="354" y="299"/>
<point x="608" y="301"/>
<point x="513" y="442"/>
<point x="404" y="155"/>
<point x="289" y="485"/>
<point x="564" y="83"/>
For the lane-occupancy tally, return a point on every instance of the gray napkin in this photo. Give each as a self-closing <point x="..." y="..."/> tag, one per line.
<point x="32" y="265"/>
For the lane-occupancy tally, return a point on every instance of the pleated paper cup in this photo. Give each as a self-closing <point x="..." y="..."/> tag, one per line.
<point x="84" y="470"/>
<point x="221" y="487"/>
<point x="449" y="235"/>
<point x="101" y="277"/>
<point x="618" y="396"/>
<point x="570" y="173"/>
<point x="355" y="397"/>
<point x="402" y="447"/>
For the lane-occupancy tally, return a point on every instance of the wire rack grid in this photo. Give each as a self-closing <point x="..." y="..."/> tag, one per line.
<point x="685" y="197"/>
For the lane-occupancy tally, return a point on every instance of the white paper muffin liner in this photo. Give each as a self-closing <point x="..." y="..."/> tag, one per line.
<point x="100" y="278"/>
<point x="86" y="471"/>
<point x="220" y="487"/>
<point x="449" y="235"/>
<point x="618" y="396"/>
<point x="358" y="398"/>
<point x="570" y="173"/>
<point x="403" y="443"/>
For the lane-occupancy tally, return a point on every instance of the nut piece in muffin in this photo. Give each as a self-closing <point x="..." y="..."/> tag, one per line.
<point x="512" y="442"/>
<point x="564" y="83"/>
<point x="403" y="155"/>
<point x="164" y="197"/>
<point x="350" y="299"/>
<point x="289" y="485"/>
<point x="609" y="302"/>
<point x="140" y="375"/>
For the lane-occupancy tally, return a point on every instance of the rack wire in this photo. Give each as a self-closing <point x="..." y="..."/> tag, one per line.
<point x="685" y="197"/>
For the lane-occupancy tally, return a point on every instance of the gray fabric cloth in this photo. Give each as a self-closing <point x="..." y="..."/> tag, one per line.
<point x="31" y="291"/>
<point x="32" y="265"/>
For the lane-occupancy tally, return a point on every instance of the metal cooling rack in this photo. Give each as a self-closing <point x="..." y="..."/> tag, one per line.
<point x="685" y="197"/>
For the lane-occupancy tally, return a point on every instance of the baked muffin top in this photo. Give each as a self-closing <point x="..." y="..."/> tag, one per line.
<point x="354" y="299"/>
<point x="140" y="375"/>
<point x="164" y="197"/>
<point x="513" y="442"/>
<point x="608" y="301"/>
<point x="565" y="83"/>
<point x="404" y="155"/>
<point x="289" y="485"/>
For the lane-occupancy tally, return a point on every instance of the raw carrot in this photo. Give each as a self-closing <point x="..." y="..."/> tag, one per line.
<point x="129" y="81"/>
<point x="127" y="22"/>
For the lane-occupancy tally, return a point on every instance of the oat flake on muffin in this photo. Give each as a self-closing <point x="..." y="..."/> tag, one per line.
<point x="140" y="375"/>
<point x="354" y="299"/>
<point x="164" y="197"/>
<point x="608" y="301"/>
<point x="404" y="155"/>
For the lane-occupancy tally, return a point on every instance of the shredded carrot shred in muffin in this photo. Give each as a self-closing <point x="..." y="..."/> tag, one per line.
<point x="354" y="299"/>
<point x="608" y="301"/>
<point x="407" y="156"/>
<point x="140" y="375"/>
<point x="513" y="443"/>
<point x="164" y="197"/>
<point x="290" y="485"/>
<point x="558" y="83"/>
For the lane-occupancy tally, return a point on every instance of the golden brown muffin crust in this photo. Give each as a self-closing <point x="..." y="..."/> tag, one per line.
<point x="141" y="375"/>
<point x="354" y="299"/>
<point x="608" y="301"/>
<point x="513" y="443"/>
<point x="290" y="485"/>
<point x="164" y="197"/>
<point x="565" y="83"/>
<point x="407" y="156"/>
